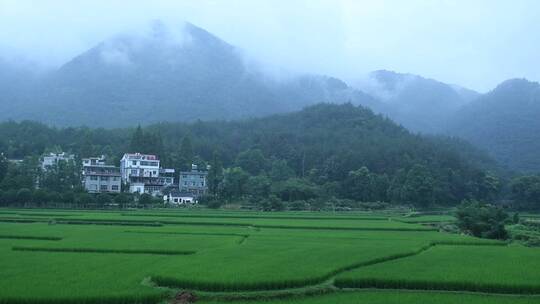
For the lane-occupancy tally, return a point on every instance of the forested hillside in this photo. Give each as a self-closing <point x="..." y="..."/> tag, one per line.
<point x="505" y="122"/>
<point x="323" y="151"/>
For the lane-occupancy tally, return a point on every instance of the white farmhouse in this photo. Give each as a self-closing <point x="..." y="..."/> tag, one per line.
<point x="52" y="159"/>
<point x="143" y="174"/>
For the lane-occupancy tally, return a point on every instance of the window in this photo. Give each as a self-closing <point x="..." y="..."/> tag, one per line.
<point x="184" y="176"/>
<point x="103" y="188"/>
<point x="134" y="172"/>
<point x="176" y="200"/>
<point x="93" y="177"/>
<point x="202" y="184"/>
<point x="114" y="187"/>
<point x="134" y="162"/>
<point x="104" y="178"/>
<point x="185" y="183"/>
<point x="115" y="178"/>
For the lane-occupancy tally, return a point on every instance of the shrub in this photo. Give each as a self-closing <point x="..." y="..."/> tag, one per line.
<point x="24" y="196"/>
<point x="482" y="220"/>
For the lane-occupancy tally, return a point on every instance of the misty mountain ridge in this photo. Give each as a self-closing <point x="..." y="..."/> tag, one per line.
<point x="184" y="73"/>
<point x="420" y="104"/>
<point x="164" y="74"/>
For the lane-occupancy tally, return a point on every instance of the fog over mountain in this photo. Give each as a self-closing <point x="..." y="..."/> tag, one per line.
<point x="429" y="76"/>
<point x="165" y="74"/>
<point x="420" y="104"/>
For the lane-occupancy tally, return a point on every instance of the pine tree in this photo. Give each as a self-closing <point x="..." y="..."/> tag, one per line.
<point x="137" y="140"/>
<point x="186" y="153"/>
<point x="215" y="174"/>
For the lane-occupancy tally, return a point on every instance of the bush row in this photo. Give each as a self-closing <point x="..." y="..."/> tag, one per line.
<point x="31" y="237"/>
<point x="432" y="285"/>
<point x="103" y="250"/>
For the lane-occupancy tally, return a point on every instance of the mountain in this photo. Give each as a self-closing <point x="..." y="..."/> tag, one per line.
<point x="420" y="104"/>
<point x="506" y="123"/>
<point x="169" y="74"/>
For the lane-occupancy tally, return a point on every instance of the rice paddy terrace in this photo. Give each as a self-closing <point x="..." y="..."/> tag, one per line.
<point x="245" y="257"/>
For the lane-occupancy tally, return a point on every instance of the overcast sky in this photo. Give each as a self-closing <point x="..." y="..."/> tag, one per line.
<point x="474" y="43"/>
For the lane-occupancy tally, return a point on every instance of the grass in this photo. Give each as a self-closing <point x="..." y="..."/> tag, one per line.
<point x="468" y="268"/>
<point x="236" y="253"/>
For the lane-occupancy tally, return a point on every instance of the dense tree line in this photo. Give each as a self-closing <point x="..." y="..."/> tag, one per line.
<point x="325" y="153"/>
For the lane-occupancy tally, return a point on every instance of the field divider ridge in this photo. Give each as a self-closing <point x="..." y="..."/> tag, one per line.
<point x="103" y="250"/>
<point x="30" y="237"/>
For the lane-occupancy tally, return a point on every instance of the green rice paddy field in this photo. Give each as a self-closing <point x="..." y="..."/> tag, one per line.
<point x="55" y="256"/>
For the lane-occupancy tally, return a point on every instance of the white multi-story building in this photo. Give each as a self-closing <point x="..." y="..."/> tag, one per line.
<point x="139" y="165"/>
<point x="143" y="174"/>
<point x="52" y="159"/>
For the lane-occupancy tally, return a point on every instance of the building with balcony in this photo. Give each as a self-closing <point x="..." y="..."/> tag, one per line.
<point x="97" y="177"/>
<point x="52" y="159"/>
<point x="194" y="181"/>
<point x="142" y="174"/>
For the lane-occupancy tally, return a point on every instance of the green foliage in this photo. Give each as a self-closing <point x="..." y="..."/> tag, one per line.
<point x="215" y="174"/>
<point x="24" y="196"/>
<point x="123" y="199"/>
<point x="146" y="199"/>
<point x="252" y="161"/>
<point x="234" y="182"/>
<point x="295" y="189"/>
<point x="482" y="220"/>
<point x="350" y="154"/>
<point x="3" y="166"/>
<point x="103" y="199"/>
<point x="526" y="191"/>
<point x="259" y="186"/>
<point x="505" y="123"/>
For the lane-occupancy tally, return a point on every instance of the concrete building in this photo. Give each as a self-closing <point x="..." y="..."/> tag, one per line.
<point x="176" y="197"/>
<point x="143" y="174"/>
<point x="194" y="181"/>
<point x="97" y="177"/>
<point x="52" y="159"/>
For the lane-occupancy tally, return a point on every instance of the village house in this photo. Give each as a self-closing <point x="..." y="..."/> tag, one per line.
<point x="52" y="159"/>
<point x="143" y="174"/>
<point x="98" y="177"/>
<point x="176" y="197"/>
<point x="194" y="181"/>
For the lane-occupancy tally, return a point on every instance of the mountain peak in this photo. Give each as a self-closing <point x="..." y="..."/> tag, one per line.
<point x="516" y="85"/>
